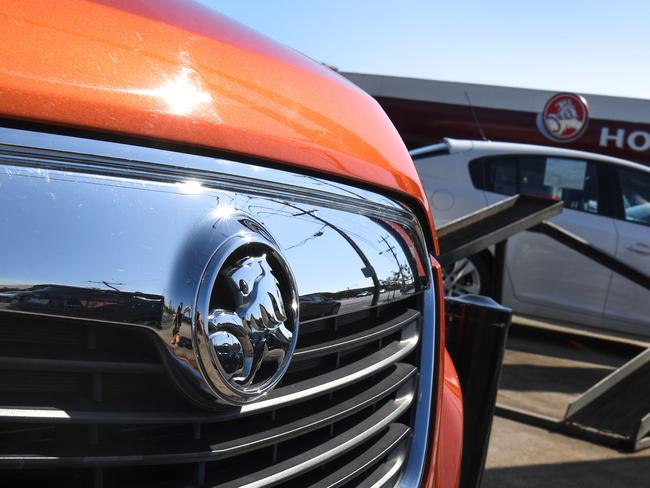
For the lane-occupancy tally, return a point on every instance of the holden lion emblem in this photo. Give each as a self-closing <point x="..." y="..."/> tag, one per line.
<point x="252" y="324"/>
<point x="565" y="117"/>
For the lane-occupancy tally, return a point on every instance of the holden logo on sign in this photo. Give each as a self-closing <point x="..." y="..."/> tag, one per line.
<point x="565" y="117"/>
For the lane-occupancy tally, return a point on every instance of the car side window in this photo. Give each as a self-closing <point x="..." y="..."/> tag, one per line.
<point x="575" y="181"/>
<point x="635" y="192"/>
<point x="501" y="176"/>
<point x="531" y="178"/>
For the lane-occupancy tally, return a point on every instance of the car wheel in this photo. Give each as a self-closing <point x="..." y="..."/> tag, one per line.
<point x="467" y="275"/>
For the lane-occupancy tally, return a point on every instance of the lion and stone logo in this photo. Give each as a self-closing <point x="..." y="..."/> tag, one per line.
<point x="250" y="342"/>
<point x="247" y="317"/>
<point x="565" y="117"/>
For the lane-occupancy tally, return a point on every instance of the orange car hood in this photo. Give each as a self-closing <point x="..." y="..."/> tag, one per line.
<point x="179" y="72"/>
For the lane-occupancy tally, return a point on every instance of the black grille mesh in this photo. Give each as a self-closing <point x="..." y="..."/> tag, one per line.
<point x="90" y="404"/>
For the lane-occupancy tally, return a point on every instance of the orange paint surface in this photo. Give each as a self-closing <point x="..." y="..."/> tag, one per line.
<point x="446" y="456"/>
<point x="447" y="437"/>
<point x="176" y="71"/>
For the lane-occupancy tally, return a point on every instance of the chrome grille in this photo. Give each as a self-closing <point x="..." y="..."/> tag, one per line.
<point x="79" y="408"/>
<point x="90" y="389"/>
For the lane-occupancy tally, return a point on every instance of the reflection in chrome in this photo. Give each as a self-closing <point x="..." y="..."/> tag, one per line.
<point x="108" y="305"/>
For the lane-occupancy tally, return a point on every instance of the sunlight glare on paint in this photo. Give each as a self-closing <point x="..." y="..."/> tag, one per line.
<point x="183" y="94"/>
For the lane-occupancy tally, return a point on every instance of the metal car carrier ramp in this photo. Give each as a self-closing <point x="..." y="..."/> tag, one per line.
<point x="600" y="382"/>
<point x="587" y="385"/>
<point x="604" y="380"/>
<point x="493" y="225"/>
<point x="618" y="406"/>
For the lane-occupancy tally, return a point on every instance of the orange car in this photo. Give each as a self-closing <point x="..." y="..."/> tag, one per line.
<point x="217" y="265"/>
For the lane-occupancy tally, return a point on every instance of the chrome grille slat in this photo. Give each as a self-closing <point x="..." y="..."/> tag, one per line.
<point x="394" y="440"/>
<point x="354" y="340"/>
<point x="82" y="366"/>
<point x="327" y="451"/>
<point x="384" y="475"/>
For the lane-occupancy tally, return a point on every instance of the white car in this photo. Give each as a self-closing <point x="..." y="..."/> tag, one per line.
<point x="606" y="202"/>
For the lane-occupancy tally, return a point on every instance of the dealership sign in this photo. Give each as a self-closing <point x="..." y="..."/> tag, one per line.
<point x="426" y="111"/>
<point x="637" y="140"/>
<point x="565" y="117"/>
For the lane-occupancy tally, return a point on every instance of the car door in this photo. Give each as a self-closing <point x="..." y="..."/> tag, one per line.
<point x="445" y="181"/>
<point x="544" y="274"/>
<point x="627" y="301"/>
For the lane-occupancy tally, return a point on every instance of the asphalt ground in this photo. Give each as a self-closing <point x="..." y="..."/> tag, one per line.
<point x="543" y="375"/>
<point x="522" y="456"/>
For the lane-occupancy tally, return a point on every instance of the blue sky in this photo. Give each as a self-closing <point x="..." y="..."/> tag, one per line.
<point x="583" y="46"/>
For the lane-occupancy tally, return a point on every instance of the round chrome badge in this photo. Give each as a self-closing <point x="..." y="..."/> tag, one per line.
<point x="246" y="327"/>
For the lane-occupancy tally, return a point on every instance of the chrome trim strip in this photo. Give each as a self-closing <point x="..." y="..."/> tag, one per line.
<point x="414" y="470"/>
<point x="389" y="472"/>
<point x="67" y="153"/>
<point x="33" y="413"/>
